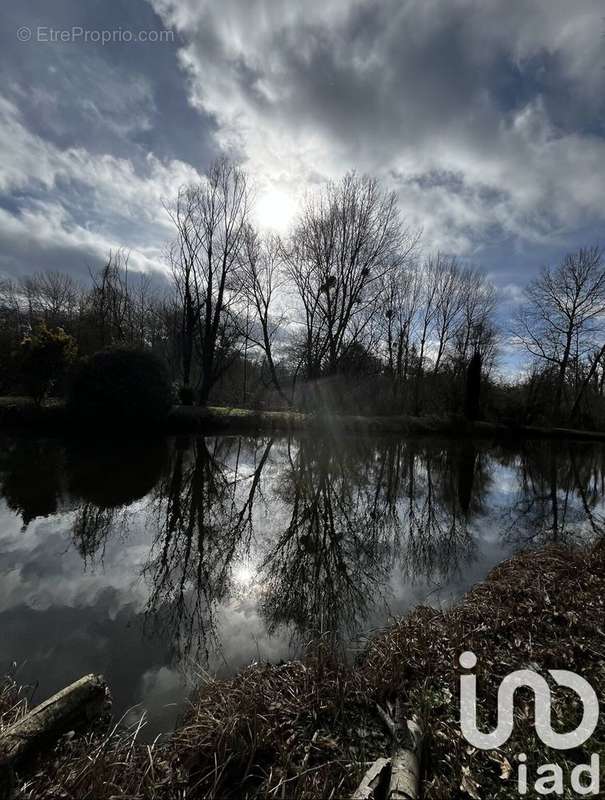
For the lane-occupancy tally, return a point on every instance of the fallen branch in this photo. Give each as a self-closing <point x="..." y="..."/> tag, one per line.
<point x="72" y="707"/>
<point x="373" y="781"/>
<point x="405" y="765"/>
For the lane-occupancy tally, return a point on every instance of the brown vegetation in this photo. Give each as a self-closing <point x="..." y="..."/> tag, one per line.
<point x="310" y="729"/>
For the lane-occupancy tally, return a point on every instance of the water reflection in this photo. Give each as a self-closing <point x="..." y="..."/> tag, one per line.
<point x="32" y="473"/>
<point x="559" y="493"/>
<point x="108" y="480"/>
<point x="197" y="549"/>
<point x="330" y="558"/>
<point x="204" y="506"/>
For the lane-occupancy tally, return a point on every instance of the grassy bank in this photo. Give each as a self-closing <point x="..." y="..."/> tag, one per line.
<point x="16" y="412"/>
<point x="308" y="729"/>
<point x="237" y="419"/>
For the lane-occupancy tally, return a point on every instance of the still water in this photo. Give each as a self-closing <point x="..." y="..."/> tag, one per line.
<point x="153" y="562"/>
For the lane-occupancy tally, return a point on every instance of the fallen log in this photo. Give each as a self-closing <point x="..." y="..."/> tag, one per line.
<point x="397" y="777"/>
<point x="405" y="765"/>
<point x="373" y="782"/>
<point x="73" y="707"/>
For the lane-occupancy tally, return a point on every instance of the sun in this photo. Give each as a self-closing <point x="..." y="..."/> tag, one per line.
<point x="275" y="210"/>
<point x="244" y="575"/>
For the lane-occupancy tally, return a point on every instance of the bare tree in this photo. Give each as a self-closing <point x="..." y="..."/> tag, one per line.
<point x="181" y="256"/>
<point x="349" y="237"/>
<point x="10" y="308"/>
<point x="564" y="314"/>
<point x="109" y="300"/>
<point x="50" y="296"/>
<point x="401" y="298"/>
<point x="429" y="295"/>
<point x="596" y="360"/>
<point x="210" y="220"/>
<point x="262" y="275"/>
<point x="449" y="301"/>
<point x="476" y="332"/>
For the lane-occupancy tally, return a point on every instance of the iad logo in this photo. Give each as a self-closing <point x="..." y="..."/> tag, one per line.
<point x="552" y="779"/>
<point x="542" y="699"/>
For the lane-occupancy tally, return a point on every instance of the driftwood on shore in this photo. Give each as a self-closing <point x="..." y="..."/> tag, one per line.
<point x="374" y="781"/>
<point x="405" y="766"/>
<point x="397" y="777"/>
<point x="73" y="707"/>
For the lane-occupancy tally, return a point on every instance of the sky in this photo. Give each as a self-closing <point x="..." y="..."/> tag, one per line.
<point x="487" y="119"/>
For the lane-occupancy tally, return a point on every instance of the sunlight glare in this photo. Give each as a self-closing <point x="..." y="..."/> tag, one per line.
<point x="275" y="210"/>
<point x="244" y="575"/>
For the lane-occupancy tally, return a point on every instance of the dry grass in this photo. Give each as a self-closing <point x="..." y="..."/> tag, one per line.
<point x="542" y="610"/>
<point x="307" y="730"/>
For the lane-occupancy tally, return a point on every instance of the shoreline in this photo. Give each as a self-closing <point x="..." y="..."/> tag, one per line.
<point x="182" y="418"/>
<point x="21" y="413"/>
<point x="309" y="728"/>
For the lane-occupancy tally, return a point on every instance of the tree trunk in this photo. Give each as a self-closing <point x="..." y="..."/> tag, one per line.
<point x="404" y="774"/>
<point x="271" y="363"/>
<point x="207" y="382"/>
<point x="188" y="335"/>
<point x="472" y="389"/>
<point x="562" y="374"/>
<point x="405" y="767"/>
<point x="584" y="386"/>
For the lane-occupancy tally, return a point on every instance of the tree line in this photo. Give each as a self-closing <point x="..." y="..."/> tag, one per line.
<point x="345" y="312"/>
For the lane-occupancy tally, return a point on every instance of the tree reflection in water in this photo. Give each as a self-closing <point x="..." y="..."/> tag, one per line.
<point x="344" y="518"/>
<point x="559" y="495"/>
<point x="330" y="525"/>
<point x="204" y="508"/>
<point x="330" y="562"/>
<point x="32" y="472"/>
<point x="109" y="478"/>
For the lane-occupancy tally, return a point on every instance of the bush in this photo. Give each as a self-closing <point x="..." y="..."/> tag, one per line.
<point x="121" y="387"/>
<point x="43" y="360"/>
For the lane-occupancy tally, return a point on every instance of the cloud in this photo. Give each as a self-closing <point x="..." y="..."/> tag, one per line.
<point x="92" y="138"/>
<point x="465" y="107"/>
<point x="72" y="206"/>
<point x="487" y="118"/>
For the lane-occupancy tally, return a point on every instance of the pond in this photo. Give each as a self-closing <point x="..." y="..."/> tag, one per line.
<point x="154" y="562"/>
